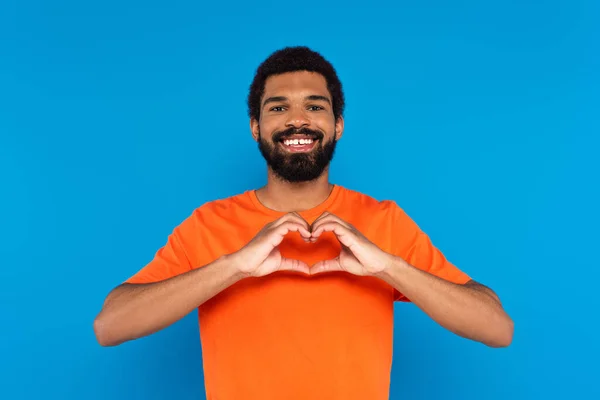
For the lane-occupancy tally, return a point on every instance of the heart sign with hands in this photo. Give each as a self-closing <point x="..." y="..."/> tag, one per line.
<point x="358" y="255"/>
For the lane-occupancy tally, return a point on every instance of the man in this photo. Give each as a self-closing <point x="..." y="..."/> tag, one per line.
<point x="295" y="282"/>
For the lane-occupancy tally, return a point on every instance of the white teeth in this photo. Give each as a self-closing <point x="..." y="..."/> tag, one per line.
<point x="290" y="142"/>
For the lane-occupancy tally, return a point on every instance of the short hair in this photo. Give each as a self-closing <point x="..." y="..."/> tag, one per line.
<point x="291" y="59"/>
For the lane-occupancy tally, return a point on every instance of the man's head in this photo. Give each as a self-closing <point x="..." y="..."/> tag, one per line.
<point x="296" y="106"/>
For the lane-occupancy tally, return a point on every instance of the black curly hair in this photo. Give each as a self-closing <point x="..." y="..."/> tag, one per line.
<point x="290" y="59"/>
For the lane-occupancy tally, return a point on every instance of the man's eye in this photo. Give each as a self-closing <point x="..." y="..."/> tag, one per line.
<point x="315" y="108"/>
<point x="277" y="108"/>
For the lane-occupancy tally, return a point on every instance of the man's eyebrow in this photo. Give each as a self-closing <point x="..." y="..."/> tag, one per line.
<point x="274" y="99"/>
<point x="314" y="97"/>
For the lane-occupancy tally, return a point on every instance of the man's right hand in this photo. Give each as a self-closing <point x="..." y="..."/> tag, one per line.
<point x="261" y="255"/>
<point x="132" y="311"/>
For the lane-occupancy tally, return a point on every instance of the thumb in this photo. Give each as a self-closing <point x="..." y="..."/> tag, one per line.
<point x="326" y="266"/>
<point x="289" y="264"/>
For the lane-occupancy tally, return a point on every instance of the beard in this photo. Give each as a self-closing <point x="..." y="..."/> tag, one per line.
<point x="297" y="167"/>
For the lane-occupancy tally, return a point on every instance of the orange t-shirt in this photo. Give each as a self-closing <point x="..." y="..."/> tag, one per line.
<point x="285" y="336"/>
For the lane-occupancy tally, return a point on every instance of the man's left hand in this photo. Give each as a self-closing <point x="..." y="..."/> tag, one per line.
<point x="359" y="256"/>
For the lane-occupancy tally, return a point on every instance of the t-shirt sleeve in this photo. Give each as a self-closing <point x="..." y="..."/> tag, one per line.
<point x="416" y="247"/>
<point x="169" y="261"/>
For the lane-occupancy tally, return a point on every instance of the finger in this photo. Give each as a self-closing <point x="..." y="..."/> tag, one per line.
<point x="293" y="226"/>
<point x="329" y="218"/>
<point x="326" y="266"/>
<point x="320" y="217"/>
<point x="275" y="235"/>
<point x="297" y="217"/>
<point x="330" y="226"/>
<point x="293" y="216"/>
<point x="346" y="236"/>
<point x="326" y="216"/>
<point x="288" y="264"/>
<point x="317" y="223"/>
<point x="316" y="230"/>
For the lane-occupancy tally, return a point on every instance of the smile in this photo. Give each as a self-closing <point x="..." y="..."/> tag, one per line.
<point x="297" y="145"/>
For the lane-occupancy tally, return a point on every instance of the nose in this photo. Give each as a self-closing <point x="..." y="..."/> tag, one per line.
<point x="297" y="118"/>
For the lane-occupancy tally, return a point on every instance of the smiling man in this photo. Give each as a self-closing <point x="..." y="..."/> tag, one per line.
<point x="295" y="282"/>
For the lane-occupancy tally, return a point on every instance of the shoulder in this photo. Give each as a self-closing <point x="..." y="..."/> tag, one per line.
<point x="238" y="200"/>
<point x="369" y="202"/>
<point x="380" y="209"/>
<point x="218" y="210"/>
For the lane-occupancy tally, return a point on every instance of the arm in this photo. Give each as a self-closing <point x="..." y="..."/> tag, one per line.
<point x="471" y="310"/>
<point x="132" y="311"/>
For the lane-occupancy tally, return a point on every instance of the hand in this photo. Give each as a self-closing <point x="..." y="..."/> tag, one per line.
<point x="359" y="256"/>
<point x="261" y="255"/>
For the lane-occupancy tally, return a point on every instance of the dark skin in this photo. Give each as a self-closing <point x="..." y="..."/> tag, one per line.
<point x="300" y="99"/>
<point x="471" y="310"/>
<point x="298" y="110"/>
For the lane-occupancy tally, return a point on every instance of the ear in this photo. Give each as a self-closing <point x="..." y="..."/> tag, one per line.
<point x="254" y="128"/>
<point x="339" y="127"/>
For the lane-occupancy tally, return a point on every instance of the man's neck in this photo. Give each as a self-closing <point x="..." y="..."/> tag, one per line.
<point x="285" y="196"/>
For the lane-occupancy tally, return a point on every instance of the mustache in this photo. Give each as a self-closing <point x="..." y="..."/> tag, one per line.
<point x="282" y="135"/>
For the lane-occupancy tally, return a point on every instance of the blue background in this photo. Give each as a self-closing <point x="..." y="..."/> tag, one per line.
<point x="481" y="119"/>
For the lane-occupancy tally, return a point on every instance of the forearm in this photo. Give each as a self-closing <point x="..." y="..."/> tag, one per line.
<point x="467" y="311"/>
<point x="132" y="311"/>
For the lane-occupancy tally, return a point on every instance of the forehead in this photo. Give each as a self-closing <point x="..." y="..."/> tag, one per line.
<point x="296" y="83"/>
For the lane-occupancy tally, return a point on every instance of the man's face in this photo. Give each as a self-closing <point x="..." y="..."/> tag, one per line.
<point x="297" y="131"/>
